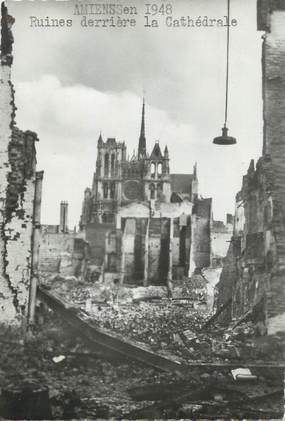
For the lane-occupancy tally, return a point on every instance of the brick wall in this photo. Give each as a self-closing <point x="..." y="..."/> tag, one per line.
<point x="261" y="262"/>
<point x="18" y="178"/>
<point x="128" y="249"/>
<point x="95" y="235"/>
<point x="220" y="239"/>
<point x="8" y="296"/>
<point x="274" y="146"/>
<point x="201" y="234"/>
<point x="56" y="252"/>
<point x="154" y="248"/>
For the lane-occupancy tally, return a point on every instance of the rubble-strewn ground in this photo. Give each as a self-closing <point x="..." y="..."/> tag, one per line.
<point x="85" y="386"/>
<point x="173" y="326"/>
<point x="80" y="386"/>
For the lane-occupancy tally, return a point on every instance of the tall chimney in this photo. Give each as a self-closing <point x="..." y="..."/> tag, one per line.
<point x="63" y="225"/>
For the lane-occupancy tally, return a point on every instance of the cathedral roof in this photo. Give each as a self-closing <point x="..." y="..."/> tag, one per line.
<point x="180" y="197"/>
<point x="181" y="183"/>
<point x="156" y="152"/>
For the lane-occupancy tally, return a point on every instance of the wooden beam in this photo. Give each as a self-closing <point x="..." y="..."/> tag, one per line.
<point x="216" y="315"/>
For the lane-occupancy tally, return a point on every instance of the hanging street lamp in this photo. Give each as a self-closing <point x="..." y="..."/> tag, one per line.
<point x="225" y="139"/>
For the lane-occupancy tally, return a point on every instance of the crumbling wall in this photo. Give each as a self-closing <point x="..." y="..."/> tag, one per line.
<point x="274" y="146"/>
<point x="19" y="215"/>
<point x="18" y="178"/>
<point x="95" y="235"/>
<point x="249" y="264"/>
<point x="8" y="293"/>
<point x="164" y="258"/>
<point x="80" y="257"/>
<point x="261" y="262"/>
<point x="181" y="246"/>
<point x="56" y="252"/>
<point x="154" y="249"/>
<point x="128" y="245"/>
<point x="228" y="280"/>
<point x="19" y="199"/>
<point x="176" y="243"/>
<point x="139" y="252"/>
<point x="220" y="239"/>
<point x="201" y="234"/>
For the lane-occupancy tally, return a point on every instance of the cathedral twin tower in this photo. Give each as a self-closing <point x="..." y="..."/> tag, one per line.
<point x="119" y="181"/>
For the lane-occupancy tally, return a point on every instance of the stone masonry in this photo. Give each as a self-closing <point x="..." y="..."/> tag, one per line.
<point x="255" y="270"/>
<point x="143" y="224"/>
<point x="18" y="204"/>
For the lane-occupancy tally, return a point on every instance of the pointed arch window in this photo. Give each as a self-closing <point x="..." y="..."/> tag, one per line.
<point x="105" y="190"/>
<point x="112" y="190"/>
<point x="112" y="165"/>
<point x="106" y="164"/>
<point x="159" y="169"/>
<point x="152" y="191"/>
<point x="152" y="169"/>
<point x="112" y="262"/>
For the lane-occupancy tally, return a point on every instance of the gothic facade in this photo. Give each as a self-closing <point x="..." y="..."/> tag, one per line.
<point x="138" y="218"/>
<point x="118" y="181"/>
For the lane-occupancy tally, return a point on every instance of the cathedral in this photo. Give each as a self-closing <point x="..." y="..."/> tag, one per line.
<point x="144" y="224"/>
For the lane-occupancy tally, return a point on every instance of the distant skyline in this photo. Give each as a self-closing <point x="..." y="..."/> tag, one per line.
<point x="72" y="83"/>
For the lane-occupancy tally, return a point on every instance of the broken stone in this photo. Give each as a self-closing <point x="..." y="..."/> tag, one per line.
<point x="59" y="359"/>
<point x="243" y="374"/>
<point x="205" y="376"/>
<point x="218" y="397"/>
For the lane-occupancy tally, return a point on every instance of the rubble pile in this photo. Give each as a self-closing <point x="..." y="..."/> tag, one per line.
<point x="81" y="385"/>
<point x="157" y="324"/>
<point x="173" y="326"/>
<point x="216" y="395"/>
<point x="179" y="330"/>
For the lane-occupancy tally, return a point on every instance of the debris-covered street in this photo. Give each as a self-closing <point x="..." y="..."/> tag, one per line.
<point x="82" y="384"/>
<point x="174" y="326"/>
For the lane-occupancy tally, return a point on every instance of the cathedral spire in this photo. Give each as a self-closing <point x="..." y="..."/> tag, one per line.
<point x="142" y="140"/>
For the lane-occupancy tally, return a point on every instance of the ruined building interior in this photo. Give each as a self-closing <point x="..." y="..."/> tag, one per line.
<point x="151" y="309"/>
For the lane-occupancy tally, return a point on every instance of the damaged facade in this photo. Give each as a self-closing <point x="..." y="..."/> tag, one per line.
<point x="221" y="234"/>
<point x="20" y="198"/>
<point x="142" y="223"/>
<point x="61" y="250"/>
<point x="254" y="271"/>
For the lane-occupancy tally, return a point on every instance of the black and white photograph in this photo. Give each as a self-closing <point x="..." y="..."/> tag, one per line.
<point x="142" y="209"/>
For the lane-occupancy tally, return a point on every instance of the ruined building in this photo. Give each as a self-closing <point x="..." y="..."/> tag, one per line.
<point x="254" y="270"/>
<point x="61" y="250"/>
<point x="20" y="199"/>
<point x="221" y="235"/>
<point x="143" y="223"/>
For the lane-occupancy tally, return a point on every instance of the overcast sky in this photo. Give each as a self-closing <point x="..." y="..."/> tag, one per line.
<point x="73" y="82"/>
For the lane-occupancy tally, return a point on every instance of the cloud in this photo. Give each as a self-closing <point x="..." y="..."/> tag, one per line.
<point x="182" y="70"/>
<point x="68" y="120"/>
<point x="72" y="83"/>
